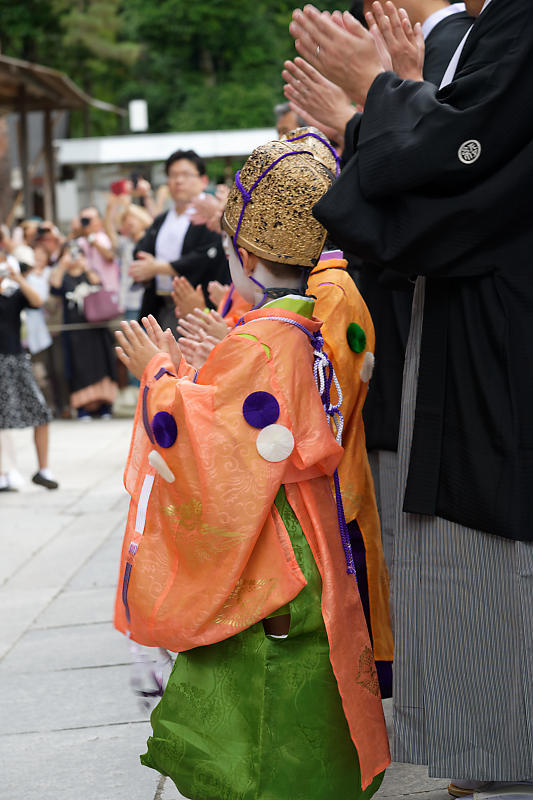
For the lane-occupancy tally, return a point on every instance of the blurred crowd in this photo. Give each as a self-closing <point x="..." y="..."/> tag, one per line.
<point x="114" y="264"/>
<point x="63" y="294"/>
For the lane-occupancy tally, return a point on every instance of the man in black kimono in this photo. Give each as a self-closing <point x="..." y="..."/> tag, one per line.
<point x="172" y="246"/>
<point x="388" y="294"/>
<point x="439" y="187"/>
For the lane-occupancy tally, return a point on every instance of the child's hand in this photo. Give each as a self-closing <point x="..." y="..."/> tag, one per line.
<point x="136" y="350"/>
<point x="154" y="331"/>
<point x="197" y="353"/>
<point x="216" y="292"/>
<point x="163" y="340"/>
<point x="198" y="325"/>
<point x="185" y="297"/>
<point x="213" y="324"/>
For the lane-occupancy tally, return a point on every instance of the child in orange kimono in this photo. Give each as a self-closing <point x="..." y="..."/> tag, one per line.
<point x="349" y="341"/>
<point x="236" y="554"/>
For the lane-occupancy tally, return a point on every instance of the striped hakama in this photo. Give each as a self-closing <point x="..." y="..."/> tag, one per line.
<point x="384" y="468"/>
<point x="462" y="604"/>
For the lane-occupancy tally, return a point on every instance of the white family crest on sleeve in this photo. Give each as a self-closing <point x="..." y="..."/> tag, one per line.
<point x="469" y="151"/>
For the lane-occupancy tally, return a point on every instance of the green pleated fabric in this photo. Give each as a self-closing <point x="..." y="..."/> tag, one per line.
<point x="258" y="718"/>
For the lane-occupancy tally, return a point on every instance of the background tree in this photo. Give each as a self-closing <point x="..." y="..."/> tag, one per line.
<point x="206" y="64"/>
<point x="83" y="38"/>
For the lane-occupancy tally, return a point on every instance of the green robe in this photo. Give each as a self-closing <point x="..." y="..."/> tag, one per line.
<point x="259" y="718"/>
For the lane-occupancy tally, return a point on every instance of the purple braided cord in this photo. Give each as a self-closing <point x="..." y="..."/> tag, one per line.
<point x="318" y="344"/>
<point x="343" y="527"/>
<point x="229" y="302"/>
<point x="325" y="142"/>
<point x="317" y="340"/>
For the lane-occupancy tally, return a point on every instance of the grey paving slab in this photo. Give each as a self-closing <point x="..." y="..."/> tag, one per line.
<point x="394" y="787"/>
<point x="77" y="698"/>
<point x="77" y="607"/>
<point x="408" y="779"/>
<point x="100" y="763"/>
<point x="31" y="589"/>
<point x="79" y="455"/>
<point x="41" y="498"/>
<point x="101" y="569"/>
<point x="106" y="496"/>
<point x="61" y="557"/>
<point x="440" y="794"/>
<point x="96" y="645"/>
<point x="168" y="791"/>
<point x="24" y="532"/>
<point x="18" y="610"/>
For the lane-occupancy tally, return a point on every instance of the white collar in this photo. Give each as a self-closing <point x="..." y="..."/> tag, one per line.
<point x="452" y="66"/>
<point x="174" y="215"/>
<point x="433" y="20"/>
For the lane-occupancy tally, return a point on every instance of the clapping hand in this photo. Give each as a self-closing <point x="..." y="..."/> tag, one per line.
<point x="203" y="209"/>
<point x="320" y="102"/>
<point x="144" y="267"/>
<point x="197" y="353"/>
<point x="163" y="340"/>
<point x="339" y="48"/>
<point x="186" y="298"/>
<point x="404" y="44"/>
<point x="135" y="349"/>
<point x="199" y="324"/>
<point x="207" y="210"/>
<point x="216" y="292"/>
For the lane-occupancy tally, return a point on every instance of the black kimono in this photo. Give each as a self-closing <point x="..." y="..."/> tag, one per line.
<point x="389" y="295"/>
<point x="440" y="185"/>
<point x="202" y="260"/>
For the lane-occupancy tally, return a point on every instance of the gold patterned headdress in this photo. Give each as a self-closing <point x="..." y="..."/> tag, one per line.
<point x="269" y="208"/>
<point x="313" y="139"/>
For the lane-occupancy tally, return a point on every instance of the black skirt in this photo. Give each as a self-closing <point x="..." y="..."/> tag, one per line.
<point x="22" y="404"/>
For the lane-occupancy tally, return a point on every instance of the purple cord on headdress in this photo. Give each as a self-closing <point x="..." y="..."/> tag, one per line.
<point x="229" y="302"/>
<point x="324" y="142"/>
<point x="247" y="196"/>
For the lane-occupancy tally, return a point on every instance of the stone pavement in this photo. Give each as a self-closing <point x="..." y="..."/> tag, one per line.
<point x="69" y="724"/>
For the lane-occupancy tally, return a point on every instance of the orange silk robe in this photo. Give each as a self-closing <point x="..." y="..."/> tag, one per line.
<point x="206" y="555"/>
<point x="339" y="304"/>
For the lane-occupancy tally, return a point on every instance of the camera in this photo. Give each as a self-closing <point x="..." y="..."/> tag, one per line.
<point x="74" y="250"/>
<point x="119" y="187"/>
<point x="85" y="221"/>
